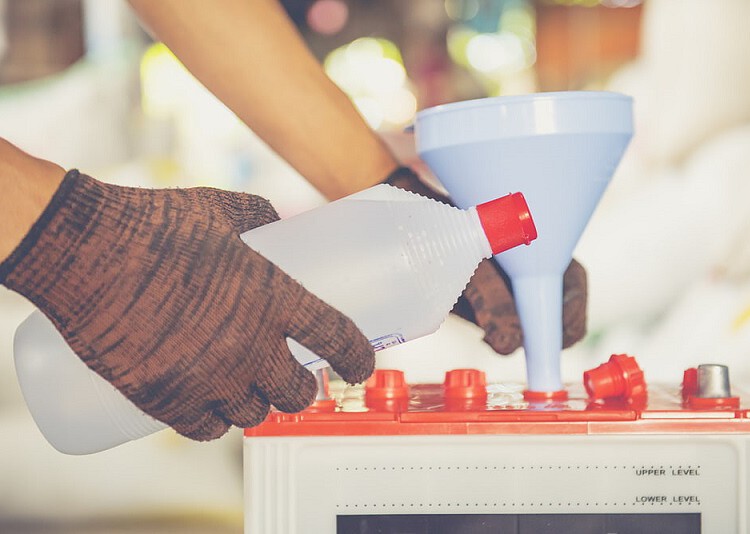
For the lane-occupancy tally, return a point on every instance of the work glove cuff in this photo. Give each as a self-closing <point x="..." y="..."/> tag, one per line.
<point x="59" y="199"/>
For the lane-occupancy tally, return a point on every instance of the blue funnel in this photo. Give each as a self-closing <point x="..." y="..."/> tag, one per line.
<point x="560" y="150"/>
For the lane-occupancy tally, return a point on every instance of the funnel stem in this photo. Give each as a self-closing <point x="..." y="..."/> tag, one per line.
<point x="539" y="303"/>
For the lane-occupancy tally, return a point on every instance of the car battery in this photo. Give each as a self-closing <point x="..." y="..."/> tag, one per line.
<point x="469" y="457"/>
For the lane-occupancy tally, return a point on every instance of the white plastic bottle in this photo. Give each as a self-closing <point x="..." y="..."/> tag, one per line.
<point x="392" y="261"/>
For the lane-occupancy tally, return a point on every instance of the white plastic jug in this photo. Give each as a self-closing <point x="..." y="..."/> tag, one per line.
<point x="393" y="261"/>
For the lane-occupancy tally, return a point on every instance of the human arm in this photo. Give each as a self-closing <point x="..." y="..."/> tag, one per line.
<point x="26" y="186"/>
<point x="249" y="54"/>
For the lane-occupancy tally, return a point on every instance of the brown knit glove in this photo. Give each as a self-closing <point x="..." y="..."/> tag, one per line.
<point x="155" y="291"/>
<point x="488" y="301"/>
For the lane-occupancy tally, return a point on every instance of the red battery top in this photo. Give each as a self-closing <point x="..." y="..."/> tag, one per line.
<point x="465" y="404"/>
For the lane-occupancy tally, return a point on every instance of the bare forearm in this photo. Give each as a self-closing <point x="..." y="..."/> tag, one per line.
<point x="252" y="58"/>
<point x="26" y="187"/>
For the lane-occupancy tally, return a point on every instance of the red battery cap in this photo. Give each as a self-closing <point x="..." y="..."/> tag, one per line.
<point x="322" y="406"/>
<point x="619" y="377"/>
<point x="711" y="403"/>
<point x="689" y="383"/>
<point x="692" y="399"/>
<point x="386" y="384"/>
<point x="465" y="384"/>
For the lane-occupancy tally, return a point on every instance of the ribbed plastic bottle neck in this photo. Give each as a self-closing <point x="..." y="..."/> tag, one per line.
<point x="443" y="246"/>
<point x="476" y="232"/>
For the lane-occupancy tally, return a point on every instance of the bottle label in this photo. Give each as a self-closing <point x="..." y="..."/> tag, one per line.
<point x="383" y="342"/>
<point x="313" y="362"/>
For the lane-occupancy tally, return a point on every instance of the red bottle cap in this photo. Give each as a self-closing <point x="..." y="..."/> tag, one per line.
<point x="465" y="384"/>
<point x="507" y="222"/>
<point x="619" y="377"/>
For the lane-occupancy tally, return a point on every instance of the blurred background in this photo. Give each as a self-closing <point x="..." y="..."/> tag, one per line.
<point x="667" y="252"/>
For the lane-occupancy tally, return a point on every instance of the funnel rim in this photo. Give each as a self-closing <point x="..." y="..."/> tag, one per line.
<point x="521" y="99"/>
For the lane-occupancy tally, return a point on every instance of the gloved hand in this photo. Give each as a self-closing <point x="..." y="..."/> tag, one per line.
<point x="156" y="292"/>
<point x="488" y="301"/>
